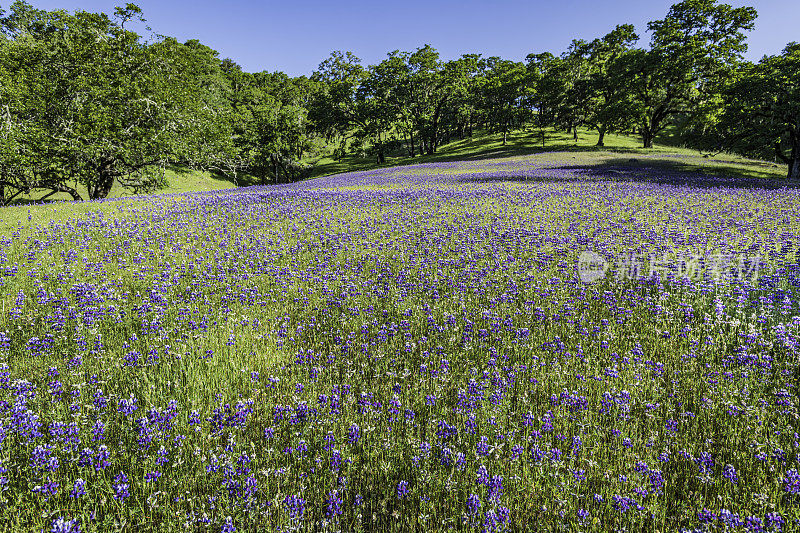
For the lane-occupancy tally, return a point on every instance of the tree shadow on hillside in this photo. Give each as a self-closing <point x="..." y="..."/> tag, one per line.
<point x="521" y="150"/>
<point x="660" y="171"/>
<point x="478" y="148"/>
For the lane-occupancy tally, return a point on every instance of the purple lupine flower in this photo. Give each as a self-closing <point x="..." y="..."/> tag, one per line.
<point x="227" y="526"/>
<point x="731" y="475"/>
<point x="62" y="525"/>
<point x="495" y="487"/>
<point x="402" y="490"/>
<point x="127" y="407"/>
<point x="78" y="489"/>
<point x="121" y="487"/>
<point x="295" y="505"/>
<point x="473" y="504"/>
<point x="775" y="521"/>
<point x="482" y="447"/>
<point x="333" y="504"/>
<point x="791" y="481"/>
<point x="353" y="434"/>
<point x="753" y="524"/>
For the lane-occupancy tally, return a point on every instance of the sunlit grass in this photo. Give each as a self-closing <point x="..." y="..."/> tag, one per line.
<point x="405" y="349"/>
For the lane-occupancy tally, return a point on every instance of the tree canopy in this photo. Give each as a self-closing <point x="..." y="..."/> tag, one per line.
<point x="86" y="103"/>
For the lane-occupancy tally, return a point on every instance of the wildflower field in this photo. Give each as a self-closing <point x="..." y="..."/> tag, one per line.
<point x="407" y="349"/>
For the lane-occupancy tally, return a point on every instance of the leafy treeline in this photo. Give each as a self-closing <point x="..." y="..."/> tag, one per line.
<point x="85" y="102"/>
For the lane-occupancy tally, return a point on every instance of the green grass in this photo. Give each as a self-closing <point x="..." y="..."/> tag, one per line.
<point x="619" y="150"/>
<point x="441" y="298"/>
<point x="179" y="180"/>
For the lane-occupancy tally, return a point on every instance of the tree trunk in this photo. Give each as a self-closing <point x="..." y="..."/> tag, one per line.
<point x="411" y="136"/>
<point x="72" y="192"/>
<point x="105" y="180"/>
<point x="504" y="136"/>
<point x="647" y="136"/>
<point x="794" y="158"/>
<point x="601" y="131"/>
<point x="575" y="133"/>
<point x="794" y="167"/>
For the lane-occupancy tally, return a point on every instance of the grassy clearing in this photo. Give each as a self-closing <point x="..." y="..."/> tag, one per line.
<point x="407" y="349"/>
<point x="619" y="149"/>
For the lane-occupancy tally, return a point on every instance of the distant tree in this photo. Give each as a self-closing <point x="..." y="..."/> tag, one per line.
<point x="546" y="89"/>
<point x="192" y="85"/>
<point x="388" y="85"/>
<point x="93" y="104"/>
<point x="575" y="93"/>
<point x="609" y="105"/>
<point x="691" y="50"/>
<point x="762" y="112"/>
<point x="426" y="94"/>
<point x="376" y="100"/>
<point x="501" y="90"/>
<point x="333" y="110"/>
<point x="280" y="139"/>
<point x="434" y="89"/>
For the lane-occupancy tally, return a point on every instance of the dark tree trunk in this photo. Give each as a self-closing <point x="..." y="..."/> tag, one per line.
<point x="601" y="131"/>
<point x="794" y="158"/>
<point x="72" y="192"/>
<point x="505" y="133"/>
<point x="105" y="180"/>
<point x="575" y="133"/>
<point x="647" y="136"/>
<point x="411" y="136"/>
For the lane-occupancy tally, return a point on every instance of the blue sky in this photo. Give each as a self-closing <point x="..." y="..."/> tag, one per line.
<point x="296" y="35"/>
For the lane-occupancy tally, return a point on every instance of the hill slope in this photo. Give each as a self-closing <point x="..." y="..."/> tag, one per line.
<point x="485" y="146"/>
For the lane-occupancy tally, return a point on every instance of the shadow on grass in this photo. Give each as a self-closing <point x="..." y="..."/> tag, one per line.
<point x="477" y="148"/>
<point x="663" y="171"/>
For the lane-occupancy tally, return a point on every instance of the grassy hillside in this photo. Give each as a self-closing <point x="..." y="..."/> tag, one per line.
<point x="529" y="142"/>
<point x="618" y="148"/>
<point x="425" y="348"/>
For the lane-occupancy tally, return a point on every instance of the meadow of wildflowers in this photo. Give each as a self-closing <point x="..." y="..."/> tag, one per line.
<point x="409" y="349"/>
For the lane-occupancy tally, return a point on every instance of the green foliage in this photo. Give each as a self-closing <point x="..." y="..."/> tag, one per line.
<point x="86" y="105"/>
<point x="762" y="115"/>
<point x="609" y="106"/>
<point x="92" y="103"/>
<point x="692" y="50"/>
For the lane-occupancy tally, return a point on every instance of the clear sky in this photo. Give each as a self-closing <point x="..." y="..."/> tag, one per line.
<point x="294" y="36"/>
